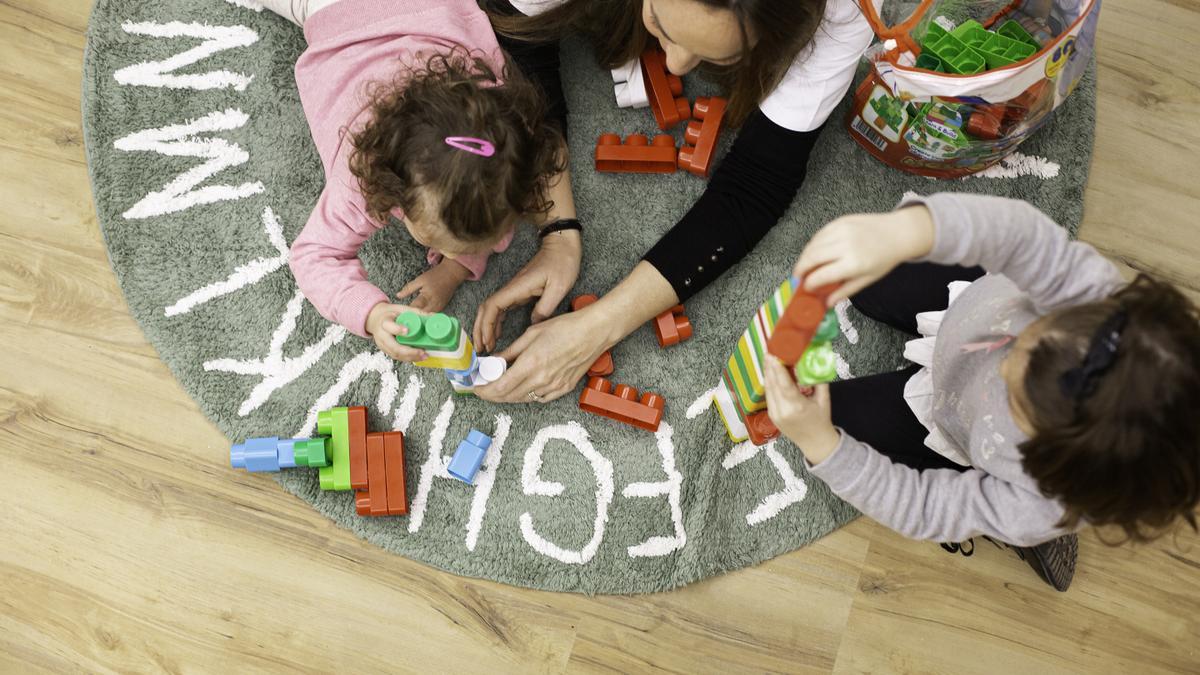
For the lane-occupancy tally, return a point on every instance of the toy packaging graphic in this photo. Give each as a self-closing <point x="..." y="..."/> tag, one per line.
<point x="959" y="84"/>
<point x="794" y="326"/>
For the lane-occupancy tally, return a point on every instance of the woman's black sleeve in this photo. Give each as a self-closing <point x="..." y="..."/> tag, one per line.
<point x="538" y="61"/>
<point x="748" y="193"/>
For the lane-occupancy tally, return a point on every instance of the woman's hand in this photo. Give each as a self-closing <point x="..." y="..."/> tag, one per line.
<point x="858" y="250"/>
<point x="804" y="419"/>
<point x="550" y="358"/>
<point x="549" y="276"/>
<point x="382" y="327"/>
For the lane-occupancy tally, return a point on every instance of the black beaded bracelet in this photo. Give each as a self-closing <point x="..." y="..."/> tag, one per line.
<point x="560" y="225"/>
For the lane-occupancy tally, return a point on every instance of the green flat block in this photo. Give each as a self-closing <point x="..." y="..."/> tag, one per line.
<point x="933" y="33"/>
<point x="1015" y="31"/>
<point x="958" y="57"/>
<point x="439" y="333"/>
<point x="1000" y="51"/>
<point x="930" y="62"/>
<point x="971" y="33"/>
<point x="335" y="423"/>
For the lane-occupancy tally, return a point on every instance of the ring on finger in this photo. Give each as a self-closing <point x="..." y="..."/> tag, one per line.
<point x="534" y="396"/>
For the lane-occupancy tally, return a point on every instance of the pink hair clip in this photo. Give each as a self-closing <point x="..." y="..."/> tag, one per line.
<point x="481" y="147"/>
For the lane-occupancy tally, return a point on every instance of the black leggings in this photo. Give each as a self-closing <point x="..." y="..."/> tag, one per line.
<point x="872" y="409"/>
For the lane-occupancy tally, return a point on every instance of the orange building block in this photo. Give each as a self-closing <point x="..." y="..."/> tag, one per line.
<point x="636" y="154"/>
<point x="373" y="501"/>
<point x="604" y="364"/>
<point x="761" y="428"/>
<point x="672" y="327"/>
<point x="796" y="328"/>
<point x="664" y="89"/>
<point x="393" y="455"/>
<point x="622" y="404"/>
<point x="700" y="139"/>
<point x="356" y="418"/>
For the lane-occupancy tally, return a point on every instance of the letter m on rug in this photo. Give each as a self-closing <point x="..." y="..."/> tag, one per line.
<point x="185" y="140"/>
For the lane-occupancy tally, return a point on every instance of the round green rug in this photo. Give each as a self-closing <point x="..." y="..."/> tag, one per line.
<point x="203" y="172"/>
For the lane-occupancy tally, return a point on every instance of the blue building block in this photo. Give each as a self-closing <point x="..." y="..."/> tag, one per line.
<point x="273" y="454"/>
<point x="464" y="377"/>
<point x="468" y="457"/>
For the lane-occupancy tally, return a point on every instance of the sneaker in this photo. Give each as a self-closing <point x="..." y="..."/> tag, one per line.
<point x="1054" y="560"/>
<point x="966" y="548"/>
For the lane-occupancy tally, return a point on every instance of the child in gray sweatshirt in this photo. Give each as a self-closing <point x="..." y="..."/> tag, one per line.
<point x="1056" y="395"/>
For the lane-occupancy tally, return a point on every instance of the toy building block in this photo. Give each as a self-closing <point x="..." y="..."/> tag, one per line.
<point x="464" y="377"/>
<point x="805" y="315"/>
<point x="469" y="455"/>
<point x="665" y="90"/>
<point x="440" y="336"/>
<point x="393" y="455"/>
<point x="930" y="62"/>
<point x="384" y="494"/>
<point x="356" y="421"/>
<point x="629" y="86"/>
<point x="723" y="399"/>
<point x="761" y="428"/>
<point x="672" y="327"/>
<point x="817" y="366"/>
<point x="621" y="403"/>
<point x="603" y="365"/>
<point x="636" y="154"/>
<point x="959" y="57"/>
<point x="1015" y="31"/>
<point x="374" y="500"/>
<point x="488" y="370"/>
<point x="273" y="454"/>
<point x="986" y="121"/>
<point x="335" y="424"/>
<point x="700" y="139"/>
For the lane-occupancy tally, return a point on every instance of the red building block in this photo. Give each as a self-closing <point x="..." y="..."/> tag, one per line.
<point x="356" y="418"/>
<point x="604" y="364"/>
<point x="796" y="328"/>
<point x="636" y="155"/>
<point x="373" y="501"/>
<point x="622" y="404"/>
<point x="393" y="455"/>
<point x="985" y="121"/>
<point x="664" y="89"/>
<point x="761" y="428"/>
<point x="700" y="139"/>
<point x="672" y="327"/>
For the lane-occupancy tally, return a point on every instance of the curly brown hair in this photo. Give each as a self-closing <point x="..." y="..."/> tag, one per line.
<point x="1126" y="454"/>
<point x="782" y="30"/>
<point x="401" y="158"/>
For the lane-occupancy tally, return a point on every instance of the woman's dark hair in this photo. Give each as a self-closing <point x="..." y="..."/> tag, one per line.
<point x="401" y="157"/>
<point x="1126" y="453"/>
<point x="782" y="28"/>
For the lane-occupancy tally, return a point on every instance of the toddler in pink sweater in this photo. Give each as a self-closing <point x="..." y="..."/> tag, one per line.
<point x="416" y="119"/>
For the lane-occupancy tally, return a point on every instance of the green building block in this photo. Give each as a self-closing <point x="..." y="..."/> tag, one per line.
<point x="971" y="33"/>
<point x="311" y="453"/>
<point x="957" y="55"/>
<point x="1000" y="51"/>
<point x="335" y="424"/>
<point x="829" y="328"/>
<point x="930" y="62"/>
<point x="439" y="333"/>
<point x="1014" y="30"/>
<point x="817" y="366"/>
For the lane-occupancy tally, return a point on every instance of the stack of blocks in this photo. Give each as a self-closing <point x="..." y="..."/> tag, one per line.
<point x="448" y="347"/>
<point x="792" y="325"/>
<point x="663" y="91"/>
<point x="346" y="456"/>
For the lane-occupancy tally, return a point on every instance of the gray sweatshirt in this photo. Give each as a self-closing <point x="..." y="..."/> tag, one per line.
<point x="1033" y="269"/>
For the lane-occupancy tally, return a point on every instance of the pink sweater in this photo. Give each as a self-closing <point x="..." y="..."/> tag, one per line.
<point x="352" y="43"/>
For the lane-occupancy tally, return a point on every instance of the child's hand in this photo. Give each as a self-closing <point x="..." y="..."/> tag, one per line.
<point x="435" y="286"/>
<point x="382" y="327"/>
<point x="858" y="250"/>
<point x="804" y="419"/>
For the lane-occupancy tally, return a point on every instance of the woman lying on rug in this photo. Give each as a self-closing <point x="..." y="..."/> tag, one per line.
<point x="1049" y="395"/>
<point x="787" y="65"/>
<point x="409" y="125"/>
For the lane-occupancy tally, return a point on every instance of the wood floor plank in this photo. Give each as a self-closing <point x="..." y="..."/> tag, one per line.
<point x="128" y="545"/>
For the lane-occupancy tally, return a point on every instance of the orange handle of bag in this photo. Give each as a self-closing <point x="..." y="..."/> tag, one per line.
<point x="899" y="32"/>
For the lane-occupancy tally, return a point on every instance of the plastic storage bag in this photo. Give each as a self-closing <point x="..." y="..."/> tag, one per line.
<point x="959" y="84"/>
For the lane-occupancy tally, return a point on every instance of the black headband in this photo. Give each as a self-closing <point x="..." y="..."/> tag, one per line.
<point x="1080" y="382"/>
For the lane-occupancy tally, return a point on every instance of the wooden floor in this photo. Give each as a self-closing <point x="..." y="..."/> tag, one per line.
<point x="126" y="544"/>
